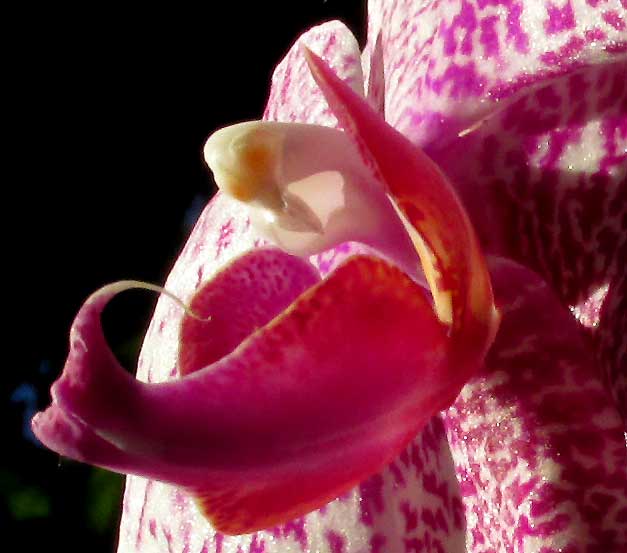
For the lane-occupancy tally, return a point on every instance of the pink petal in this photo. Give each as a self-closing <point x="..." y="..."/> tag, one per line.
<point x="412" y="502"/>
<point x="539" y="448"/>
<point x="256" y="288"/>
<point x="546" y="184"/>
<point x="294" y="97"/>
<point x="454" y="264"/>
<point x="544" y="173"/>
<point x="446" y="62"/>
<point x="379" y="512"/>
<point x="542" y="178"/>
<point x="257" y="435"/>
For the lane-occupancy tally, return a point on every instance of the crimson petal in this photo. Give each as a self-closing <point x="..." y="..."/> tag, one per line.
<point x="447" y="245"/>
<point x="303" y="409"/>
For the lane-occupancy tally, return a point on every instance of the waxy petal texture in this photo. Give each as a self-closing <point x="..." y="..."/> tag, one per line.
<point x="449" y="252"/>
<point x="282" y="409"/>
<point x="294" y="96"/>
<point x="102" y="406"/>
<point x="412" y="504"/>
<point x="543" y="171"/>
<point x="529" y="478"/>
<point x="257" y="435"/>
<point x="389" y="509"/>
<point x="539" y="447"/>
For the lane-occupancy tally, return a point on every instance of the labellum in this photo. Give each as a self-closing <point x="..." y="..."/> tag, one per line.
<point x="350" y="372"/>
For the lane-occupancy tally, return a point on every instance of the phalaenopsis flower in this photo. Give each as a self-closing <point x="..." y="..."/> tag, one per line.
<point x="404" y="317"/>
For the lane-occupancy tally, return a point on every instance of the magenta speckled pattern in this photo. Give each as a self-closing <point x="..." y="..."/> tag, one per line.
<point x="294" y="96"/>
<point x="242" y="299"/>
<point x="537" y="447"/>
<point x="539" y="450"/>
<point x="447" y="61"/>
<point x="541" y="87"/>
<point x="550" y="172"/>
<point x="413" y="505"/>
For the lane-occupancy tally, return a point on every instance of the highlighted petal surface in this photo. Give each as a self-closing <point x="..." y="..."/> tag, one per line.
<point x="306" y="189"/>
<point x="448" y="64"/>
<point x="447" y="245"/>
<point x="414" y="500"/>
<point x="258" y="435"/>
<point x="294" y="96"/>
<point x="539" y="447"/>
<point x="541" y="89"/>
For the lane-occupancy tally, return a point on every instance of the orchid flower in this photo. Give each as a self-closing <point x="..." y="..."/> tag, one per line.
<point x="311" y="392"/>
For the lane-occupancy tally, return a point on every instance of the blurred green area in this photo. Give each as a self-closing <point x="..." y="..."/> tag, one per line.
<point x="76" y="508"/>
<point x="25" y="502"/>
<point x="104" y="497"/>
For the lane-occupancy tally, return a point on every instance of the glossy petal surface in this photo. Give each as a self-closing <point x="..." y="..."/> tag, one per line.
<point x="257" y="435"/>
<point x="543" y="178"/>
<point x="413" y="502"/>
<point x="543" y="171"/>
<point x="447" y="245"/>
<point x="539" y="448"/>
<point x="387" y="509"/>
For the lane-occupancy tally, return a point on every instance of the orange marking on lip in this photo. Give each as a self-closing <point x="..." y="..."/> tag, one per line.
<point x="247" y="182"/>
<point x="447" y="245"/>
<point x="257" y="158"/>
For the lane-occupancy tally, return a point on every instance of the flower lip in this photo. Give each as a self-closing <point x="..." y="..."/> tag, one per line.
<point x="290" y="400"/>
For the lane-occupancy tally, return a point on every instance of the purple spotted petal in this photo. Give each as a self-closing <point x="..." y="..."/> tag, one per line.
<point x="539" y="448"/>
<point x="544" y="178"/>
<point x="412" y="505"/>
<point x="546" y="184"/>
<point x="447" y="62"/>
<point x="297" y="414"/>
<point x="541" y="88"/>
<point x="294" y="96"/>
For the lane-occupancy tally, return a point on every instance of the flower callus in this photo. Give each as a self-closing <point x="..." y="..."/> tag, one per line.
<point x="293" y="389"/>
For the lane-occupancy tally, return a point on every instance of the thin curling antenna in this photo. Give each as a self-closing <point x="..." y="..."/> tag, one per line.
<point x="124" y="285"/>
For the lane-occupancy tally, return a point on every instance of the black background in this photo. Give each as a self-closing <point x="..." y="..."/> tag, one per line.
<point x="106" y="116"/>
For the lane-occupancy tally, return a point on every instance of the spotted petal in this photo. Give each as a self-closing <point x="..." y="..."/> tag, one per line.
<point x="413" y="501"/>
<point x="294" y="96"/>
<point x="538" y="92"/>
<point x="448" y="63"/>
<point x="435" y="219"/>
<point x="297" y="414"/>
<point x="539" y="446"/>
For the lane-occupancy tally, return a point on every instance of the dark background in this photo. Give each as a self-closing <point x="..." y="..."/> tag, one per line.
<point x="107" y="114"/>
